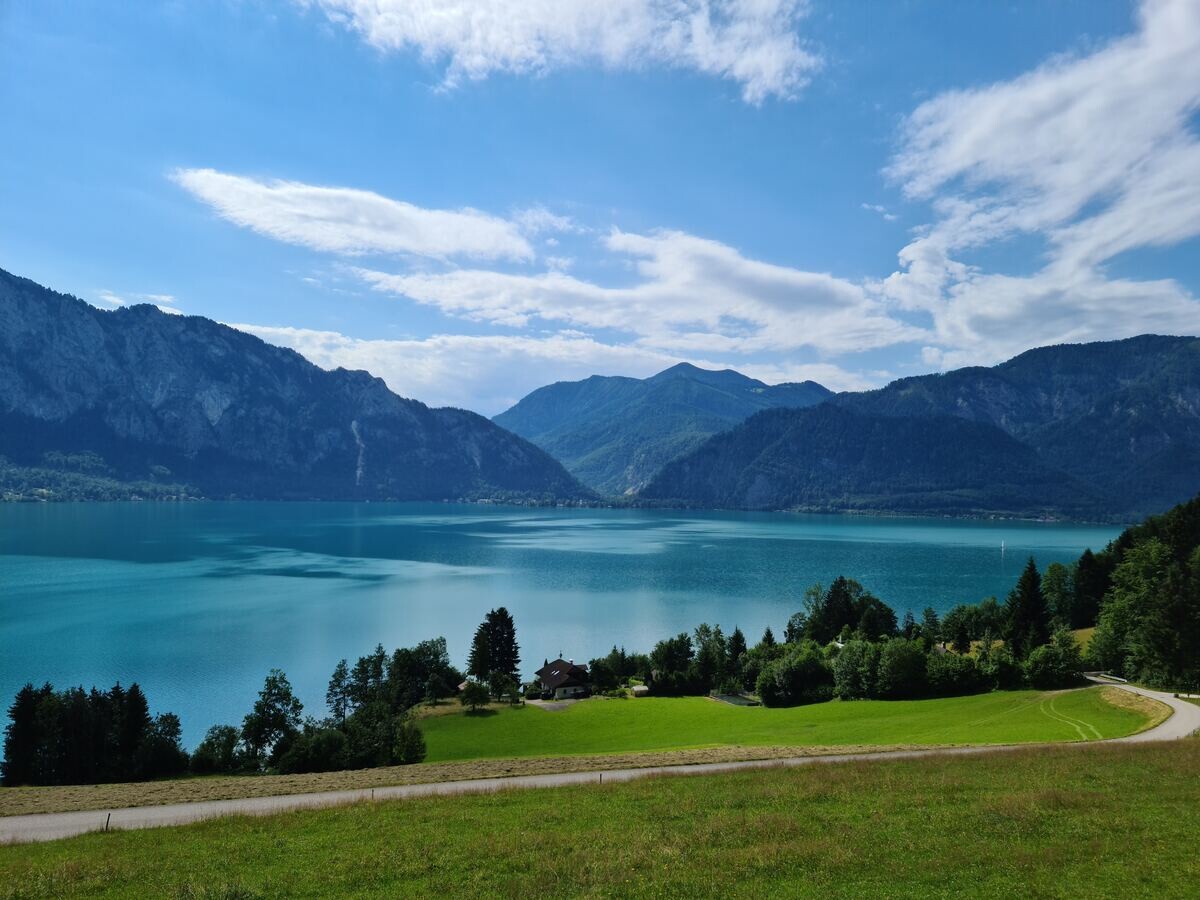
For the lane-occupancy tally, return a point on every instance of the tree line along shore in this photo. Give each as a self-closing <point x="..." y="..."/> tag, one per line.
<point x="1141" y="594"/>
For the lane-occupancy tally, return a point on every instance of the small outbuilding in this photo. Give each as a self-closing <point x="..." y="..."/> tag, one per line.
<point x="564" y="679"/>
<point x="640" y="690"/>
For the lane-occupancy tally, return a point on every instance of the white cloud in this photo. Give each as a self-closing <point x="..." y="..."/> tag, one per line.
<point x="490" y="373"/>
<point x="692" y="296"/>
<point x="879" y="208"/>
<point x="830" y="375"/>
<point x="1094" y="155"/>
<point x="162" y="301"/>
<point x="537" y="220"/>
<point x="352" y="222"/>
<point x="751" y="42"/>
<point x="487" y="373"/>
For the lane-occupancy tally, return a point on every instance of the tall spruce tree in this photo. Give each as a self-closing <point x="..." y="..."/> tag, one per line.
<point x="931" y="626"/>
<point x="504" y="654"/>
<point x="1027" y="618"/>
<point x="1091" y="583"/>
<point x="21" y="739"/>
<point x="1059" y="590"/>
<point x="479" y="661"/>
<point x="337" y="696"/>
<point x="737" y="648"/>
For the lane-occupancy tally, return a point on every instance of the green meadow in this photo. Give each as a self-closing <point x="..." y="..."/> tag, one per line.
<point x="1045" y="822"/>
<point x="652" y="724"/>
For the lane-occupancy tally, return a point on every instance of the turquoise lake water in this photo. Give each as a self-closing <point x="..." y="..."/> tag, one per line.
<point x="197" y="601"/>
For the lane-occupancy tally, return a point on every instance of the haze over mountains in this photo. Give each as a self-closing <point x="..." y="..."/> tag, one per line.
<point x="615" y="433"/>
<point x="108" y="403"/>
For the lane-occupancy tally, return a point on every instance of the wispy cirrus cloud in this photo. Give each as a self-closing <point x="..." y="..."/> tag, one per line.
<point x="353" y="222"/>
<point x="755" y="44"/>
<point x="692" y="296"/>
<point x="1094" y="154"/>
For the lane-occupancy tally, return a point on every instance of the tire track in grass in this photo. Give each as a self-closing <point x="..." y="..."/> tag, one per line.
<point x="1057" y="718"/>
<point x="1078" y="721"/>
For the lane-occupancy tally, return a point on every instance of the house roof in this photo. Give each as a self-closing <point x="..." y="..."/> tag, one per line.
<point x="562" y="673"/>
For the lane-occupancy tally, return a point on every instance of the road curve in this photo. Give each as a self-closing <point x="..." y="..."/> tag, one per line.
<point x="1184" y="720"/>
<point x="51" y="826"/>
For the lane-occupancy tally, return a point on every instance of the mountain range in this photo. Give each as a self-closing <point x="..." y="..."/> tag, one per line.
<point x="1102" y="430"/>
<point x="133" y="401"/>
<point x="137" y="402"/>
<point x="616" y="433"/>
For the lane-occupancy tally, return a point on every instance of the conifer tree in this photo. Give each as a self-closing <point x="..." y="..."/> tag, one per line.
<point x="1027" y="619"/>
<point x="479" y="661"/>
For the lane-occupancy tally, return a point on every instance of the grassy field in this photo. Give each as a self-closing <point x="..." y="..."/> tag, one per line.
<point x="1084" y="636"/>
<point x="1104" y="821"/>
<point x="610" y="726"/>
<point x="603" y="734"/>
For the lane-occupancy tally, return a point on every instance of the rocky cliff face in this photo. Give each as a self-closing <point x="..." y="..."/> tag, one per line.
<point x="182" y="398"/>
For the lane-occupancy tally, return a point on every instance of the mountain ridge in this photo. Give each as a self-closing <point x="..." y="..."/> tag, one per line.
<point x="615" y="432"/>
<point x="183" y="400"/>
<point x="828" y="458"/>
<point x="1118" y="422"/>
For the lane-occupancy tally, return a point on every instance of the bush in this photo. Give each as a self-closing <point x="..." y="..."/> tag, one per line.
<point x="603" y="676"/>
<point x="951" y="675"/>
<point x="855" y="670"/>
<point x="218" y="753"/>
<point x="901" y="672"/>
<point x="316" y="750"/>
<point x="999" y="670"/>
<point x="474" y="695"/>
<point x="755" y="660"/>
<point x="803" y="676"/>
<point x="409" y="744"/>
<point x="161" y="755"/>
<point x="1055" y="665"/>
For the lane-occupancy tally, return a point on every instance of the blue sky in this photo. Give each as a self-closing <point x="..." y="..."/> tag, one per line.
<point x="473" y="198"/>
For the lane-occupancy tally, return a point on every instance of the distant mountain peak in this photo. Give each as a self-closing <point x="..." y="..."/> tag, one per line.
<point x="710" y="376"/>
<point x="614" y="433"/>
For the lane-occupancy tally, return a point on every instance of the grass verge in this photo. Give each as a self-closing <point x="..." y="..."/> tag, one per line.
<point x="75" y="798"/>
<point x="1103" y="821"/>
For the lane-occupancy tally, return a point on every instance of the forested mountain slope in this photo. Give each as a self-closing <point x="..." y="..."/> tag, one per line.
<point x="1123" y="416"/>
<point x="1107" y="430"/>
<point x="831" y="458"/>
<point x="615" y="433"/>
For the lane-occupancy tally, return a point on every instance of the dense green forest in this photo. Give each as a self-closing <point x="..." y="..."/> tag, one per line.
<point x="1120" y="416"/>
<point x="88" y="737"/>
<point x="831" y="458"/>
<point x="1146" y="585"/>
